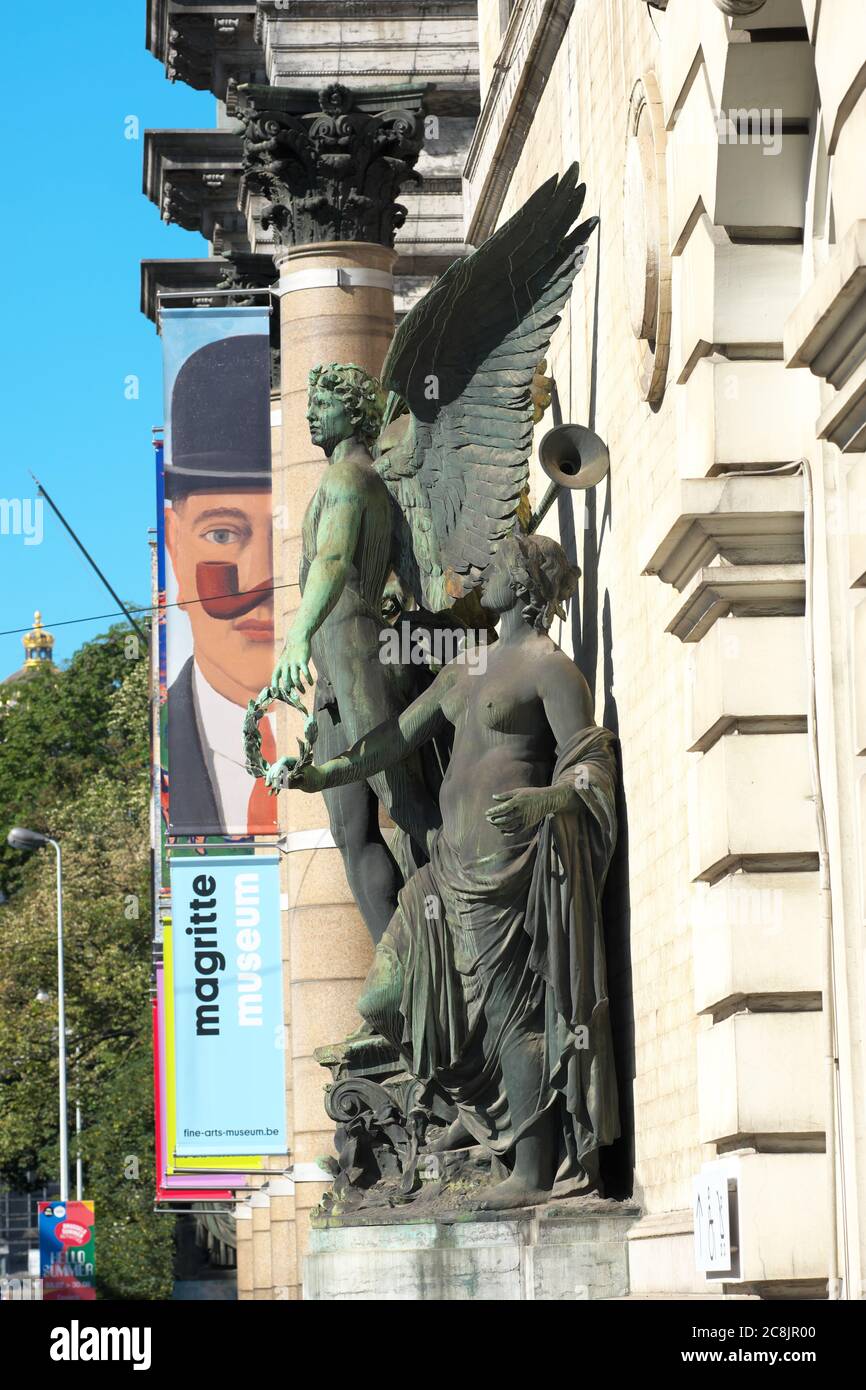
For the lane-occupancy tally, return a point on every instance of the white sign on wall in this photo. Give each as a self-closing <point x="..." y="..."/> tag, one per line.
<point x="712" y="1213"/>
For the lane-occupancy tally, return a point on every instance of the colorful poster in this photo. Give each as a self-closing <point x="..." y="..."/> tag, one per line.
<point x="67" y="1257"/>
<point x="228" y="1006"/>
<point x="207" y="1170"/>
<point x="217" y="538"/>
<point x="172" y="1189"/>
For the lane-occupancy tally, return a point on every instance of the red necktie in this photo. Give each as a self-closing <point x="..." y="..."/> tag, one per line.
<point x="262" y="808"/>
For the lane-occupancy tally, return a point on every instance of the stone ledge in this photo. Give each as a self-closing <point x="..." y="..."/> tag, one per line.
<point x="827" y="330"/>
<point x="827" y="333"/>
<point x="756" y="940"/>
<point x="742" y="1066"/>
<point x="748" y="677"/>
<point x="307" y="42"/>
<point x="663" y="1223"/>
<point x="782" y="1221"/>
<point x="745" y="520"/>
<point x="843" y="423"/>
<point x="751" y="807"/>
<point x="591" y="1208"/>
<point x="722" y="591"/>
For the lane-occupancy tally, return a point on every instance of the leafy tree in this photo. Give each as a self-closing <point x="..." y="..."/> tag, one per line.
<point x="56" y="732"/>
<point x="74" y="762"/>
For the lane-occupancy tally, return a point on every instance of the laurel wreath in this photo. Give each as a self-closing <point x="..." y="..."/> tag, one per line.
<point x="256" y="764"/>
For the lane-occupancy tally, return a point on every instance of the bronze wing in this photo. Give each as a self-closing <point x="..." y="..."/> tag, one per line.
<point x="462" y="361"/>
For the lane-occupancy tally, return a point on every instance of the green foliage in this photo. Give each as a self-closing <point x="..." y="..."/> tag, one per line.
<point x="59" y="728"/>
<point x="74" y="762"/>
<point x="134" y="1246"/>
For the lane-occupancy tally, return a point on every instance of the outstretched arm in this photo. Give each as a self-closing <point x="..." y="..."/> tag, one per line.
<point x="336" y="538"/>
<point x="383" y="747"/>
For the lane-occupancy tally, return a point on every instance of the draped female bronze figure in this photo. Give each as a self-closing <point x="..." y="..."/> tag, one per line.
<point x="490" y="979"/>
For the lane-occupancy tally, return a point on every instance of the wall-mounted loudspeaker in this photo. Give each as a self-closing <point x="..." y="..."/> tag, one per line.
<point x="572" y="456"/>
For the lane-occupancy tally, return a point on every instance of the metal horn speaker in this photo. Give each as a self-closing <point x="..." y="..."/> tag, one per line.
<point x="573" y="457"/>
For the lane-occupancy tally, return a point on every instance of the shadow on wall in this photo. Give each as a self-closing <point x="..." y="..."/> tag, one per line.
<point x="617" y="1162"/>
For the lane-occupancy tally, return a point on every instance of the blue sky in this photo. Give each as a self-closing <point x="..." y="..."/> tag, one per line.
<point x="75" y="227"/>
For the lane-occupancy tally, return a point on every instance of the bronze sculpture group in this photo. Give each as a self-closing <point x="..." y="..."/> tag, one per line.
<point x="488" y="982"/>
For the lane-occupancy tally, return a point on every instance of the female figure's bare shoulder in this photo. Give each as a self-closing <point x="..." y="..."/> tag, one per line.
<point x="561" y="679"/>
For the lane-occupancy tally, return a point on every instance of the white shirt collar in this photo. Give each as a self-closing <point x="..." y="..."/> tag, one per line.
<point x="222" y="720"/>
<point x="221" y="728"/>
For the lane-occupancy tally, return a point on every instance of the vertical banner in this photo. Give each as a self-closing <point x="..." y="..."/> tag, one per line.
<point x="168" y="1188"/>
<point x="67" y="1256"/>
<point x="228" y="1006"/>
<point x="230" y="1170"/>
<point x="217" y="536"/>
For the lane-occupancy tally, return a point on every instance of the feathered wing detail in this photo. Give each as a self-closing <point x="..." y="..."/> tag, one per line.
<point x="463" y="360"/>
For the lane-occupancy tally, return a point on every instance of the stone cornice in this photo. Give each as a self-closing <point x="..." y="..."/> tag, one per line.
<point x="205" y="45"/>
<point x="413" y="10"/>
<point x="529" y="48"/>
<point x="305" y="42"/>
<point x="162" y="13"/>
<point x="193" y="277"/>
<point x="193" y="176"/>
<point x="194" y="281"/>
<point x="208" y="148"/>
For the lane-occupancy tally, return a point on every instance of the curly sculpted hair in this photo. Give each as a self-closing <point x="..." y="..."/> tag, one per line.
<point x="359" y="393"/>
<point x="541" y="574"/>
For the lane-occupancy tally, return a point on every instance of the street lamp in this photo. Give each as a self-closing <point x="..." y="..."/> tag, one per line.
<point x="29" y="840"/>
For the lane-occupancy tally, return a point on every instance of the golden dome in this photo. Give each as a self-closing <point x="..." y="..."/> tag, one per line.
<point x="38" y="644"/>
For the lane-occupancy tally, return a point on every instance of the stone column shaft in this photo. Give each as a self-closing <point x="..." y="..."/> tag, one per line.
<point x="329" y="946"/>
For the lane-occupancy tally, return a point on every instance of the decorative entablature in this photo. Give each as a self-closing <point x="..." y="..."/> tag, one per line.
<point x="329" y="164"/>
<point x="529" y="47"/>
<point x="375" y="42"/>
<point x="205" y="44"/>
<point x="193" y="177"/>
<point x="191" y="282"/>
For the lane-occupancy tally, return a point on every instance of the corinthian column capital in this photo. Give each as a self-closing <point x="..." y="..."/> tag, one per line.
<point x="330" y="164"/>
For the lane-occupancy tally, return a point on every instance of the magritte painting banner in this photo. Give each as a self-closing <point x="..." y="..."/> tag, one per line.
<point x="228" y="1006"/>
<point x="218" y="538"/>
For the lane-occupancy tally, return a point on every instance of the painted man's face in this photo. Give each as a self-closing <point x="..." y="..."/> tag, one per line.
<point x="235" y="655"/>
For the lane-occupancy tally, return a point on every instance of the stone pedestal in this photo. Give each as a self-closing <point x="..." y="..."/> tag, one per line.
<point x="567" y="1251"/>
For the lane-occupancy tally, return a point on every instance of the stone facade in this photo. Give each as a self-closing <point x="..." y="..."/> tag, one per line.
<point x="715" y="342"/>
<point x="729" y="240"/>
